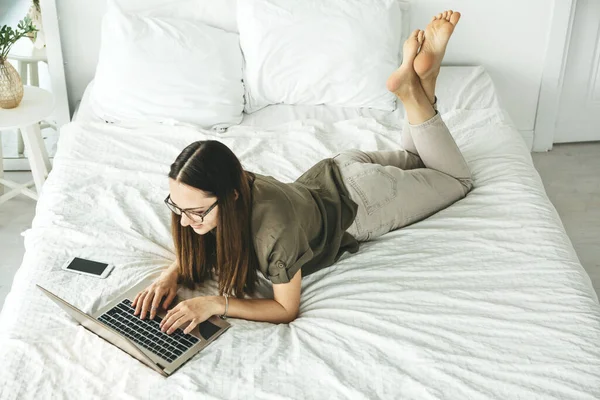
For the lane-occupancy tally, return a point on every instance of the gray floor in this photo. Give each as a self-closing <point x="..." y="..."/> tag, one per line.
<point x="15" y="217"/>
<point x="571" y="176"/>
<point x="569" y="172"/>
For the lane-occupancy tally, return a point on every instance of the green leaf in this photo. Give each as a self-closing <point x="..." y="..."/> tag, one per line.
<point x="8" y="35"/>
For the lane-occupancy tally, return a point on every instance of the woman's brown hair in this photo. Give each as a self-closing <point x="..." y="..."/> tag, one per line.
<point x="213" y="168"/>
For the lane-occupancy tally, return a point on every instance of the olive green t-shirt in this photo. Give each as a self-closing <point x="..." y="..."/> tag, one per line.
<point x="301" y="224"/>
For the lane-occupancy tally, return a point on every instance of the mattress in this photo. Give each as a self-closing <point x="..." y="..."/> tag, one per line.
<point x="485" y="299"/>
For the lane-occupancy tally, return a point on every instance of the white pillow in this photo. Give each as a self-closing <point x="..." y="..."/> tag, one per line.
<point x="335" y="52"/>
<point x="167" y="70"/>
<point x="218" y="13"/>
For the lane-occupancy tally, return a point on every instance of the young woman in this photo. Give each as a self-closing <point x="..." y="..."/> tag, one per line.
<point x="231" y="223"/>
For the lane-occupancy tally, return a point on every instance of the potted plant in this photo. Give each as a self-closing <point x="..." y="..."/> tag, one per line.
<point x="11" y="86"/>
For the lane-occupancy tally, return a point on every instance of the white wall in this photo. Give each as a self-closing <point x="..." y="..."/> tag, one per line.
<point x="508" y="37"/>
<point x="79" y="25"/>
<point x="12" y="11"/>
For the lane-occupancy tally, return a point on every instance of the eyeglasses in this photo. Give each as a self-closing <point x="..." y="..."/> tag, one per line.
<point x="194" y="216"/>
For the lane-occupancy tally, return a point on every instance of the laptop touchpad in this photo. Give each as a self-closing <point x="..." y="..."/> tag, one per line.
<point x="207" y="329"/>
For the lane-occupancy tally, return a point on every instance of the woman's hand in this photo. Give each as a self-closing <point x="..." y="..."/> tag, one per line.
<point x="148" y="300"/>
<point x="194" y="311"/>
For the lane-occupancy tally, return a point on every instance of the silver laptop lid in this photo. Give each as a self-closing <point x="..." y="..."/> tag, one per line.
<point x="104" y="332"/>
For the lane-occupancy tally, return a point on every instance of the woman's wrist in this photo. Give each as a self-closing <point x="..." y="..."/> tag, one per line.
<point x="172" y="271"/>
<point x="219" y="305"/>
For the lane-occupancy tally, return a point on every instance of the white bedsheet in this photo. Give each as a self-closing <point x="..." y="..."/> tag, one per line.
<point x="485" y="299"/>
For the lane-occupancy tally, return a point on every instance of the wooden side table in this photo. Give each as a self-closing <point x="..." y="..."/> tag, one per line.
<point x="37" y="104"/>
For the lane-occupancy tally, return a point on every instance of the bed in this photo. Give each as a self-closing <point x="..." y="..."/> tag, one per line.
<point x="485" y="299"/>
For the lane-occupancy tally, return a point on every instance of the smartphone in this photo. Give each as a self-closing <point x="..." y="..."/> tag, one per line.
<point x="88" y="267"/>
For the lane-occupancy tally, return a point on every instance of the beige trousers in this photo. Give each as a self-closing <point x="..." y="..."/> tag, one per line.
<point x="397" y="188"/>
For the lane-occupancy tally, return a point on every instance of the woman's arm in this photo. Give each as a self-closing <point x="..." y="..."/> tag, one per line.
<point x="282" y="309"/>
<point x="172" y="270"/>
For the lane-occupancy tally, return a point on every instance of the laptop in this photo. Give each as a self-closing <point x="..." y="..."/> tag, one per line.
<point x="142" y="339"/>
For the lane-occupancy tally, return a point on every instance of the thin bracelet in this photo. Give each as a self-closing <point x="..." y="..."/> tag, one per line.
<point x="224" y="316"/>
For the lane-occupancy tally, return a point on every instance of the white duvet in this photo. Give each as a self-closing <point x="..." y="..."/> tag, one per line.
<point x="485" y="299"/>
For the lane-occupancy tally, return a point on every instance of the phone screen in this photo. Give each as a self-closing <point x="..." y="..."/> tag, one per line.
<point x="91" y="267"/>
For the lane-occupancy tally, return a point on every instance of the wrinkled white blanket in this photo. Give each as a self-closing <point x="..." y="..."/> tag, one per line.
<point x="485" y="299"/>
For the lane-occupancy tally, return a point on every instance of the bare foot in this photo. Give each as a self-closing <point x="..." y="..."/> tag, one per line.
<point x="428" y="61"/>
<point x="405" y="83"/>
<point x="404" y="78"/>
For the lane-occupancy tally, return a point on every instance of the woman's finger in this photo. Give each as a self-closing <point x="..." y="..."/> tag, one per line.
<point x="139" y="303"/>
<point x="158" y="295"/>
<point x="171" y="312"/>
<point x="180" y="321"/>
<point x="147" y="304"/>
<point x="135" y="299"/>
<point x="169" y="322"/>
<point x="169" y="299"/>
<point x="168" y="316"/>
<point x="191" y="326"/>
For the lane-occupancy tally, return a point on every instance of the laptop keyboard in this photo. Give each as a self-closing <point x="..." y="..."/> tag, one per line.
<point x="146" y="332"/>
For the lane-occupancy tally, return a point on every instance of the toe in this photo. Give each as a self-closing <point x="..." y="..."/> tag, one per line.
<point x="439" y="16"/>
<point x="448" y="15"/>
<point x="414" y="34"/>
<point x="421" y="36"/>
<point x="454" y="18"/>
